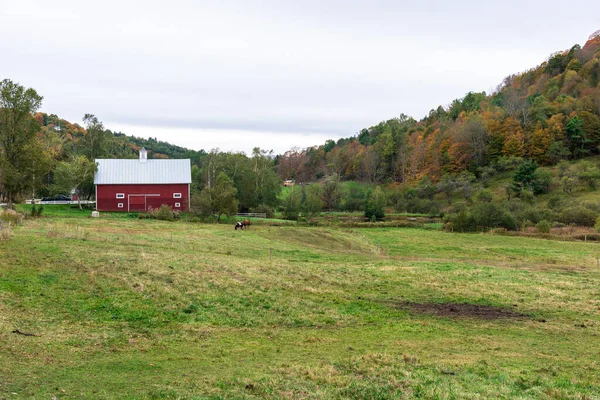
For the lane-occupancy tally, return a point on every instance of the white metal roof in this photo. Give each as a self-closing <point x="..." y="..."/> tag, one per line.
<point x="115" y="172"/>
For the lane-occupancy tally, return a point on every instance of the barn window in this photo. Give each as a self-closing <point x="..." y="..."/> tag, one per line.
<point x="176" y="195"/>
<point x="120" y="195"/>
<point x="120" y="205"/>
<point x="177" y="205"/>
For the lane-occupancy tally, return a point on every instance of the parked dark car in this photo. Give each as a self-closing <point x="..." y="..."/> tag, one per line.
<point x="60" y="197"/>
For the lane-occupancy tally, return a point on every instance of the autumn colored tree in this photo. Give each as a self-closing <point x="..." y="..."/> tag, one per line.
<point x="514" y="143"/>
<point x="540" y="143"/>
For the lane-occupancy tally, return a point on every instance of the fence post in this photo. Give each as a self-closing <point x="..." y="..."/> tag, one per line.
<point x="171" y="240"/>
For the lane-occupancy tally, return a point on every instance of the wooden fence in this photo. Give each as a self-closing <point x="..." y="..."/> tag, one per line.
<point x="253" y="215"/>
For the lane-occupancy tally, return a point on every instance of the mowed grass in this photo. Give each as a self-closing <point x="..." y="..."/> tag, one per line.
<point x="148" y="309"/>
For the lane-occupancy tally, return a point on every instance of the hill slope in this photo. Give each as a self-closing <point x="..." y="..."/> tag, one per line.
<point x="548" y="113"/>
<point x="62" y="138"/>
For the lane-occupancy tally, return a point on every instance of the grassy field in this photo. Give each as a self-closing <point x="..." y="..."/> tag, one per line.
<point x="126" y="308"/>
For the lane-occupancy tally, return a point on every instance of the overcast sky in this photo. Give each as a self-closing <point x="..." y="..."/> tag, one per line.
<point x="273" y="74"/>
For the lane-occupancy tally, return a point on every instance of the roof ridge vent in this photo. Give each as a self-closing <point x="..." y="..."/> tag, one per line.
<point x="143" y="155"/>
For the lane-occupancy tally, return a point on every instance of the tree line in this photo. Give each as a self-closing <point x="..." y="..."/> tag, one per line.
<point x="43" y="155"/>
<point x="547" y="114"/>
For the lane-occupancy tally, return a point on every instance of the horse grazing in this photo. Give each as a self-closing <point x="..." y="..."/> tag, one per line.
<point x="242" y="224"/>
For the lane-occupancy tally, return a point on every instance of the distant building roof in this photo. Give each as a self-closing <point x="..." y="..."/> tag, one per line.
<point x="138" y="171"/>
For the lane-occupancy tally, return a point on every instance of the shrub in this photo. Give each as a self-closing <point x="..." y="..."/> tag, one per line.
<point x="418" y="206"/>
<point x="485" y="196"/>
<point x="163" y="213"/>
<point x="489" y="215"/>
<point x="146" y="215"/>
<point x="543" y="226"/>
<point x="263" y="208"/>
<point x="354" y="200"/>
<point x="578" y="215"/>
<point x="291" y="204"/>
<point x="527" y="196"/>
<point x="522" y="212"/>
<point x="375" y="206"/>
<point x="5" y="234"/>
<point x="555" y="202"/>
<point x="37" y="212"/>
<point x="508" y="163"/>
<point x="460" y="222"/>
<point x="11" y="216"/>
<point x="544" y="181"/>
<point x="597" y="224"/>
<point x="426" y="189"/>
<point x="526" y="224"/>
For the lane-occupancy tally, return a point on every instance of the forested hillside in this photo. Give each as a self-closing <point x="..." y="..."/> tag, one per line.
<point x="548" y="114"/>
<point x="63" y="139"/>
<point x="524" y="154"/>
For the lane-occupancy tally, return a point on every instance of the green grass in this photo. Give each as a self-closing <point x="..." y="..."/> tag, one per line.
<point x="128" y="308"/>
<point x="69" y="211"/>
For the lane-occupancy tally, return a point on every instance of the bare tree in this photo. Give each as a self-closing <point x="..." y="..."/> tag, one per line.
<point x="517" y="106"/>
<point x="475" y="133"/>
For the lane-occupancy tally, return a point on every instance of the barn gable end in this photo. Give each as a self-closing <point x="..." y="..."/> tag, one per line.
<point x="137" y="185"/>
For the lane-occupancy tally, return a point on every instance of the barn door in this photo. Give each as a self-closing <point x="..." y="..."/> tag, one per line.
<point x="137" y="202"/>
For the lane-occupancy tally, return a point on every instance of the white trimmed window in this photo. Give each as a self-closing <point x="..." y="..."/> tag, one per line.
<point x="176" y="195"/>
<point x="120" y="205"/>
<point x="177" y="205"/>
<point x="120" y="195"/>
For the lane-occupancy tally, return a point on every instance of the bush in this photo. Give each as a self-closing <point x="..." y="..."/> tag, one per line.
<point x="578" y="215"/>
<point x="418" y="206"/>
<point x="527" y="212"/>
<point x="543" y="226"/>
<point x="544" y="181"/>
<point x="37" y="212"/>
<point x="489" y="215"/>
<point x="163" y="213"/>
<point x="527" y="196"/>
<point x="375" y="206"/>
<point x="485" y="196"/>
<point x="5" y="234"/>
<point x="291" y="204"/>
<point x="460" y="222"/>
<point x="354" y="200"/>
<point x="11" y="216"/>
<point x="145" y="216"/>
<point x="263" y="208"/>
<point x="507" y="163"/>
<point x="597" y="224"/>
<point x="555" y="202"/>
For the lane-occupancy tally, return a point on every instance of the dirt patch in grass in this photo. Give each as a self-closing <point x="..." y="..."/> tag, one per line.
<point x="456" y="310"/>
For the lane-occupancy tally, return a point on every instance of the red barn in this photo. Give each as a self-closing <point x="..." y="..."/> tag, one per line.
<point x="137" y="185"/>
